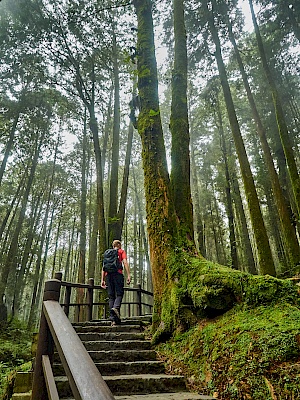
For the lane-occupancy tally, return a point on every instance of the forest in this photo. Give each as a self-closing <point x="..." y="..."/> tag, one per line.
<point x="173" y="126"/>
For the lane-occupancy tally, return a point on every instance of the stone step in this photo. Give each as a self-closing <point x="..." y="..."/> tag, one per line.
<point x="107" y="322"/>
<point x="90" y="336"/>
<point x="131" y="368"/>
<point x="118" y="355"/>
<point x="106" y="328"/>
<point x="22" y="386"/>
<point x="119" y="368"/>
<point x="123" y="355"/>
<point x="117" y="345"/>
<point x="140" y="319"/>
<point x="167" y="396"/>
<point x="164" y="396"/>
<point x="21" y="396"/>
<point x="132" y="384"/>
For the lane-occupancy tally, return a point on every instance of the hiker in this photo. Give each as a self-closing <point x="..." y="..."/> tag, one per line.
<point x="113" y="279"/>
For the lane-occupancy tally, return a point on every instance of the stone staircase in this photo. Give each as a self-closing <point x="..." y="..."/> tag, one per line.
<point x="127" y="363"/>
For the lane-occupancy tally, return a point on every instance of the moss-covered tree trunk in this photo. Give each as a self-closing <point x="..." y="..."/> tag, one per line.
<point x="266" y="264"/>
<point x="280" y="117"/>
<point x="180" y="153"/>
<point x="161" y="221"/>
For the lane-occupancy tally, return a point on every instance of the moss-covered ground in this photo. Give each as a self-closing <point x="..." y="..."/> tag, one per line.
<point x="238" y="336"/>
<point x="15" y="355"/>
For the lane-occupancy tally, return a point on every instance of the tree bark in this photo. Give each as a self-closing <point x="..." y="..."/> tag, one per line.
<point x="229" y="205"/>
<point x="179" y="126"/>
<point x="161" y="221"/>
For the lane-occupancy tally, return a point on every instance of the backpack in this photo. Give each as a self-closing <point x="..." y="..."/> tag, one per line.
<point x="111" y="262"/>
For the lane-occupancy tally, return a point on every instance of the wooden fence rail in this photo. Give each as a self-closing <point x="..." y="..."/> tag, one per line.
<point x="56" y="330"/>
<point x="90" y="303"/>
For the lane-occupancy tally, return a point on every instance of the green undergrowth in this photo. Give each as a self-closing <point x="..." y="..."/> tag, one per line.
<point x="15" y="355"/>
<point x="247" y="353"/>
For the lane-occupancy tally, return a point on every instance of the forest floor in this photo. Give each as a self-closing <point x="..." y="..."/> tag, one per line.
<point x="15" y="355"/>
<point x="247" y="353"/>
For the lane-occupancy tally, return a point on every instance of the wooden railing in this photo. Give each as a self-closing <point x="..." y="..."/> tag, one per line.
<point x="56" y="330"/>
<point x="90" y="302"/>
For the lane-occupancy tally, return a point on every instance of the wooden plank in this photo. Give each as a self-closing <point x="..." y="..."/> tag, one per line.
<point x="85" y="380"/>
<point x="49" y="378"/>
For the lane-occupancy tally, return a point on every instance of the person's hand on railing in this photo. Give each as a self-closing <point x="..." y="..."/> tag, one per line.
<point x="103" y="285"/>
<point x="128" y="279"/>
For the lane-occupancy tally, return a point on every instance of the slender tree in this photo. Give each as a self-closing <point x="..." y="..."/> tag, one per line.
<point x="266" y="264"/>
<point x="280" y="116"/>
<point x="290" y="239"/>
<point x="180" y="153"/>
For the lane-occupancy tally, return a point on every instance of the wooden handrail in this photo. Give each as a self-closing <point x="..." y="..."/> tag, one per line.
<point x="85" y="380"/>
<point x="90" y="288"/>
<point x="49" y="379"/>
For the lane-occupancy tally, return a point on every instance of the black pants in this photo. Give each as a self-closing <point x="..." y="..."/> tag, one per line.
<point x="115" y="289"/>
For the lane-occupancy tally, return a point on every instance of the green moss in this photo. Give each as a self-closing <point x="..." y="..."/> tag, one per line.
<point x="15" y="355"/>
<point x="244" y="354"/>
<point x="199" y="289"/>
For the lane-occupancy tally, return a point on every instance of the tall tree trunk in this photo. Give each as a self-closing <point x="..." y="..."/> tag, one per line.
<point x="40" y="267"/>
<point x="93" y="240"/>
<point x="107" y="128"/>
<point x="9" y="146"/>
<point x="244" y="237"/>
<point x="114" y="173"/>
<point x="160" y="209"/>
<point x="229" y="205"/>
<point x="124" y="188"/>
<point x="143" y="233"/>
<point x="282" y="126"/>
<point x="288" y="230"/>
<point x="199" y="228"/>
<point x="82" y="229"/>
<point x="11" y="260"/>
<point x="100" y="199"/>
<point x="266" y="264"/>
<point x="10" y="208"/>
<point x="57" y="238"/>
<point x="37" y="208"/>
<point x="180" y="152"/>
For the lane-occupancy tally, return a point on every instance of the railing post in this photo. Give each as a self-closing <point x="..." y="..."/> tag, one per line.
<point x="67" y="300"/>
<point x="137" y="300"/>
<point x="90" y="298"/>
<point x="139" y="293"/>
<point x="45" y="343"/>
<point x="58" y="275"/>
